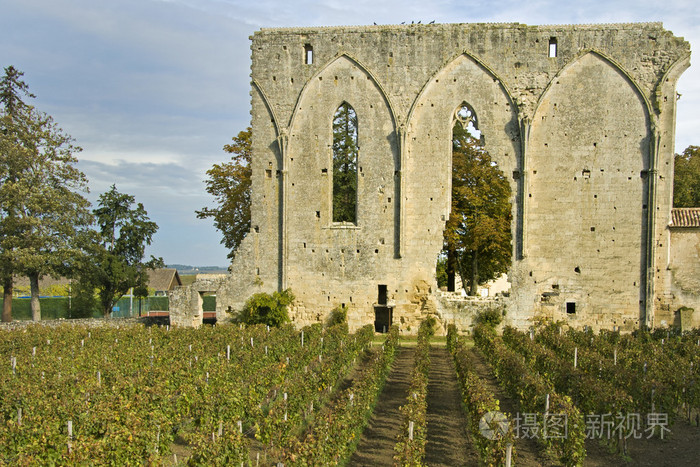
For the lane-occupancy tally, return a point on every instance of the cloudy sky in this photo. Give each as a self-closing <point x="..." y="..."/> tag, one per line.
<point x="152" y="89"/>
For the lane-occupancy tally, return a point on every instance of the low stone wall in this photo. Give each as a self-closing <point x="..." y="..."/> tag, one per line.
<point x="454" y="308"/>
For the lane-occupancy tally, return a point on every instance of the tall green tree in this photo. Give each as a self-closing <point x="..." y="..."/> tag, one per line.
<point x="230" y="183"/>
<point x="345" y="151"/>
<point x="42" y="207"/>
<point x="477" y="235"/>
<point x="116" y="253"/>
<point x="686" y="178"/>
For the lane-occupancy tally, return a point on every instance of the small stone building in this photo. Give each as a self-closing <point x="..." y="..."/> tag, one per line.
<point x="580" y="118"/>
<point x="683" y="237"/>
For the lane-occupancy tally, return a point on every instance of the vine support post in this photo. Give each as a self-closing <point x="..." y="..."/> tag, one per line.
<point x="70" y="436"/>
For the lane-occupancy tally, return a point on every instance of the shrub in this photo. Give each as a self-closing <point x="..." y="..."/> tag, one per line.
<point x="263" y="308"/>
<point x="491" y="317"/>
<point x="428" y="326"/>
<point x="338" y="316"/>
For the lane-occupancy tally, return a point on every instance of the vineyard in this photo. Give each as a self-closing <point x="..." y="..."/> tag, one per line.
<point x="230" y="395"/>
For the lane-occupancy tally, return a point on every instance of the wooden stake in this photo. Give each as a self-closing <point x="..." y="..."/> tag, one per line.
<point x="410" y="430"/>
<point x="70" y="436"/>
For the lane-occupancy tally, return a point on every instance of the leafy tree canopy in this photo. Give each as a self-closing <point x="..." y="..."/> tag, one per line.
<point x="230" y="183"/>
<point x="477" y="234"/>
<point x="42" y="208"/>
<point x="345" y="152"/>
<point x="116" y="250"/>
<point x="686" y="179"/>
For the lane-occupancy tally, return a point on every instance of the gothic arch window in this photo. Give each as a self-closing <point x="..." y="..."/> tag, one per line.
<point x="345" y="152"/>
<point x="477" y="236"/>
<point x="466" y="117"/>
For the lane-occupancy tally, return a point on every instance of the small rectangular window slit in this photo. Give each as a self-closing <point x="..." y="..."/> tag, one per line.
<point x="552" y="47"/>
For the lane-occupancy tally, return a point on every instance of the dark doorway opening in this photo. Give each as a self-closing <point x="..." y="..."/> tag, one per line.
<point x="382" y="318"/>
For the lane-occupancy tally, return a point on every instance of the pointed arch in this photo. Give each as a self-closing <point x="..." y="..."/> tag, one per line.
<point x="325" y="67"/>
<point x="612" y="62"/>
<point x="309" y="158"/>
<point x="672" y="74"/>
<point x="464" y="115"/>
<point x="462" y="79"/>
<point x="268" y="105"/>
<point x="490" y="71"/>
<point x="591" y="164"/>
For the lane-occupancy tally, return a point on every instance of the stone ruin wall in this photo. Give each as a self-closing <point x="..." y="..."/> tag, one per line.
<point x="586" y="139"/>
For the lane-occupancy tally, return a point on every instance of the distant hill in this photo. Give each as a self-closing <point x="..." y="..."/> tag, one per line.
<point x="184" y="269"/>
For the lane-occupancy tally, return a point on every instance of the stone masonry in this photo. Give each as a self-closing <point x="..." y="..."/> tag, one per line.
<point x="581" y="119"/>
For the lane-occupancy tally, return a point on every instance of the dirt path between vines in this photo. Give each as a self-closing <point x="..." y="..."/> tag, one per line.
<point x="447" y="437"/>
<point x="376" y="446"/>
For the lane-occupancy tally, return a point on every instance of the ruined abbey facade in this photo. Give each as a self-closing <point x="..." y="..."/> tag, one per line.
<point x="580" y="118"/>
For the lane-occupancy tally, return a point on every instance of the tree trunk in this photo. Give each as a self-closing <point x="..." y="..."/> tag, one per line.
<point x="7" y="299"/>
<point x="450" y="268"/>
<point x="34" y="301"/>
<point x="473" y="286"/>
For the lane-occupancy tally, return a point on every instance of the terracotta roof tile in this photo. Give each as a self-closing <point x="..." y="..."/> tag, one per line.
<point x="685" y="217"/>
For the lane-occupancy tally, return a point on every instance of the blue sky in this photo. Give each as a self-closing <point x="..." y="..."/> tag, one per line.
<point x="152" y="89"/>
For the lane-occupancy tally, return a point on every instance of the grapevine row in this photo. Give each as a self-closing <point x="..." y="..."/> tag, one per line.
<point x="536" y="396"/>
<point x="479" y="401"/>
<point x="410" y="445"/>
